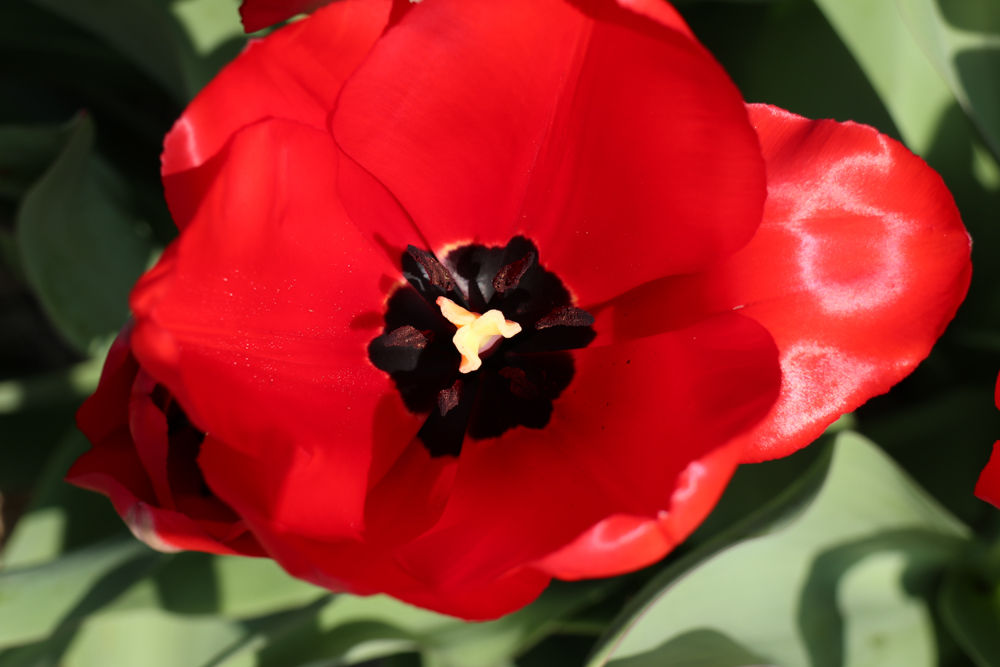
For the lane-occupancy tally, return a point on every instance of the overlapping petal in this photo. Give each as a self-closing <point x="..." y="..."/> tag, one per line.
<point x="505" y="511"/>
<point x="554" y="120"/>
<point x="860" y="262"/>
<point x="296" y="74"/>
<point x="259" y="328"/>
<point x="632" y="421"/>
<point x="144" y="489"/>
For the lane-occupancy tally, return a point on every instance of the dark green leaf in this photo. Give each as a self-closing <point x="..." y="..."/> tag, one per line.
<point x="25" y="152"/>
<point x="353" y="628"/>
<point x="230" y="586"/>
<point x="61" y="517"/>
<point x="151" y="36"/>
<point x="944" y="442"/>
<point x="786" y="54"/>
<point x="56" y="388"/>
<point x="82" y="250"/>
<point x="970" y="608"/>
<point x="697" y="648"/>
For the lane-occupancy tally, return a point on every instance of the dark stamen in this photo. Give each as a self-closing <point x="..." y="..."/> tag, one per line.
<point x="449" y="398"/>
<point x="509" y="276"/>
<point x="407" y="336"/>
<point x="520" y="385"/>
<point x="567" y="316"/>
<point x="436" y="273"/>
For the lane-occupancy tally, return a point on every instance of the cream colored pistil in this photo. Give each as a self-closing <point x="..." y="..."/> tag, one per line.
<point x="476" y="333"/>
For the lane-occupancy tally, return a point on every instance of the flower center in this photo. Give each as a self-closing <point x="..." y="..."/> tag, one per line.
<point x="476" y="333"/>
<point x="477" y="376"/>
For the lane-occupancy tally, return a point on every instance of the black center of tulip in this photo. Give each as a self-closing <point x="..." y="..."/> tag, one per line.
<point x="519" y="377"/>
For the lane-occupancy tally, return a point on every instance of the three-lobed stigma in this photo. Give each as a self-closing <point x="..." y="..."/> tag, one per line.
<point x="476" y="333"/>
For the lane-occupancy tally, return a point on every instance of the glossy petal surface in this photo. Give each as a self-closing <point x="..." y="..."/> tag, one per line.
<point x="626" y="542"/>
<point x="859" y="264"/>
<point x="552" y="119"/>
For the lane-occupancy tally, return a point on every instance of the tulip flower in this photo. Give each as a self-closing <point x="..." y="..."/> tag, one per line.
<point x="469" y="295"/>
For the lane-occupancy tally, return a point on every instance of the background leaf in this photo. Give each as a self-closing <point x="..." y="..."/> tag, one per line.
<point x="970" y="608"/>
<point x="962" y="40"/>
<point x="82" y="249"/>
<point x="908" y="84"/>
<point x="36" y="601"/>
<point x="151" y="36"/>
<point x="61" y="518"/>
<point x="841" y="580"/>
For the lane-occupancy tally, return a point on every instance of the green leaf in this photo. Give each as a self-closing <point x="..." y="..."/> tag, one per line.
<point x="25" y="152"/>
<point x="82" y="250"/>
<point x="962" y="40"/>
<point x="352" y="628"/>
<point x="904" y="78"/>
<point x="841" y="583"/>
<point x="209" y="23"/>
<point x="935" y="440"/>
<point x="151" y="638"/>
<point x="490" y="643"/>
<point x="696" y="648"/>
<point x="970" y="608"/>
<point x="61" y="517"/>
<point x="153" y="37"/>
<point x="787" y="54"/>
<point x="68" y="386"/>
<point x="230" y="586"/>
<point x="35" y="602"/>
<point x="139" y="29"/>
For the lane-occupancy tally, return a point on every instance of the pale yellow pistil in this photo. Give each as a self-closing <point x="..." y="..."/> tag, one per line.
<point x="476" y="333"/>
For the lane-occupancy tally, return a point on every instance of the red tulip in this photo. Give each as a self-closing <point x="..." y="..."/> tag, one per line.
<point x="669" y="281"/>
<point x="988" y="486"/>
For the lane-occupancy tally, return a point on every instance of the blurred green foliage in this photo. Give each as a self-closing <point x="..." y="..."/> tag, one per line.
<point x="783" y="571"/>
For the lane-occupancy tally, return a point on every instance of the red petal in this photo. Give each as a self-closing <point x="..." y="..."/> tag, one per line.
<point x="859" y="264"/>
<point x="988" y="486"/>
<point x="113" y="462"/>
<point x="634" y="418"/>
<point x="113" y="469"/>
<point x="661" y="12"/>
<point x="626" y="542"/>
<point x="260" y="14"/>
<point x="295" y="73"/>
<point x="148" y="426"/>
<point x="410" y="497"/>
<point x="106" y="410"/>
<point x="617" y="144"/>
<point x="260" y="330"/>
